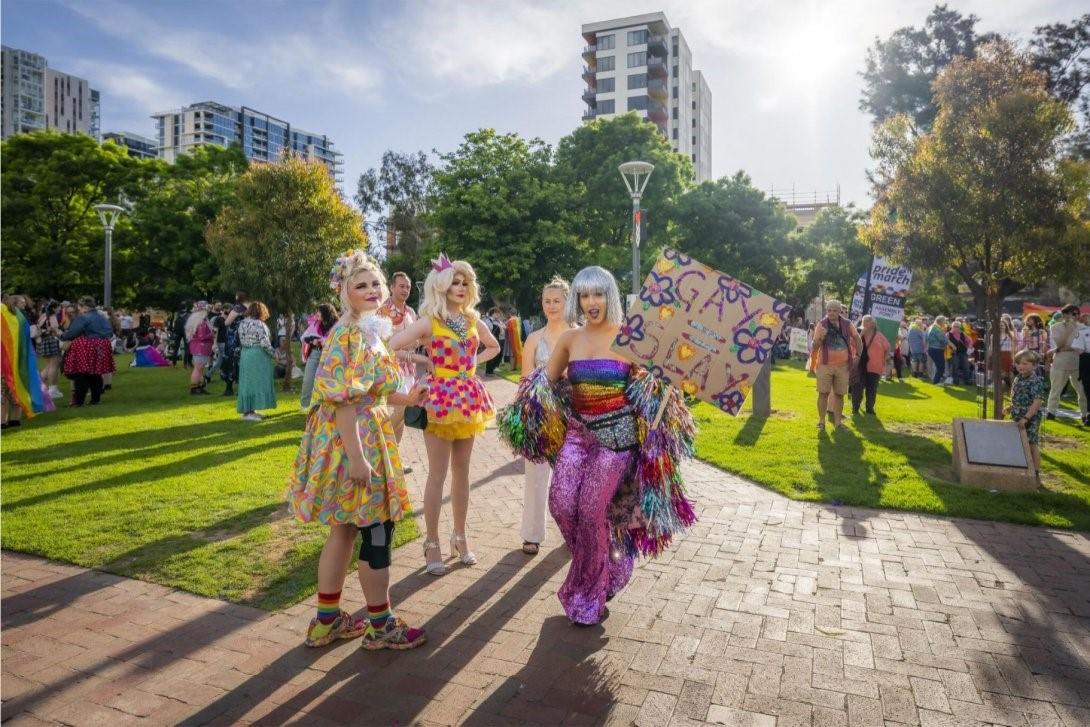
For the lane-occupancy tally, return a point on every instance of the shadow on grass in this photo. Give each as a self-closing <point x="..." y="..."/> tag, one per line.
<point x="751" y="431"/>
<point x="185" y="466"/>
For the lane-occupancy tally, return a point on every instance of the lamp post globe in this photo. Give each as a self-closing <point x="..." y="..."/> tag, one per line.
<point x="108" y="214"/>
<point x="635" y="175"/>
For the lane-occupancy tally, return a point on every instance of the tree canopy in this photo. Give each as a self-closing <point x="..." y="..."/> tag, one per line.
<point x="53" y="240"/>
<point x="988" y="192"/>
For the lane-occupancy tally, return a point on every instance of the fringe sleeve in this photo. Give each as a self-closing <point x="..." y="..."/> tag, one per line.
<point x="665" y="509"/>
<point x="535" y="423"/>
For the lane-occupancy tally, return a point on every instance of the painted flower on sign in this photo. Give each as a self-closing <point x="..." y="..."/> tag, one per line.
<point x="753" y="346"/>
<point x="659" y="290"/>
<point x="632" y="330"/>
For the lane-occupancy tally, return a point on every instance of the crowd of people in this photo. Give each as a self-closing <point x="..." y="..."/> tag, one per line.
<point x="1037" y="362"/>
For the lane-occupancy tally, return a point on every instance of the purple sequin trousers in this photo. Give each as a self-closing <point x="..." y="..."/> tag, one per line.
<point x="585" y="477"/>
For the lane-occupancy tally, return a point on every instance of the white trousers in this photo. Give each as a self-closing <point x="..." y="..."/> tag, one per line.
<point x="535" y="501"/>
<point x="1057" y="378"/>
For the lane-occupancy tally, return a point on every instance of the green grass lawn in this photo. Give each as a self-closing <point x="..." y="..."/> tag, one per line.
<point x="165" y="487"/>
<point x="900" y="459"/>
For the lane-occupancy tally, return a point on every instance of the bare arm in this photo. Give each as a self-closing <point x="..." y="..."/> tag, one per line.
<point x="558" y="361"/>
<point x="408" y="338"/>
<point x="529" y="353"/>
<point x="491" y="346"/>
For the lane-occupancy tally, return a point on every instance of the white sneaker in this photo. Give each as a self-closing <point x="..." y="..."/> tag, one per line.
<point x="251" y="417"/>
<point x="55" y="393"/>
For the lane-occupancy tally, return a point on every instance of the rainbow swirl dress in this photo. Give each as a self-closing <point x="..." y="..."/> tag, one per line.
<point x="458" y="406"/>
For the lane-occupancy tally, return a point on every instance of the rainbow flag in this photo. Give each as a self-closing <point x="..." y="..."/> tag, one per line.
<point x="514" y="340"/>
<point x="19" y="365"/>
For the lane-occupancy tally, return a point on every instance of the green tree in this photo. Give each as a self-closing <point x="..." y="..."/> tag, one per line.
<point x="52" y="236"/>
<point x="497" y="205"/>
<point x="988" y="192"/>
<point x="900" y="70"/>
<point x="281" y="235"/>
<point x="170" y="222"/>
<point x="586" y="165"/>
<point x="1062" y="50"/>
<point x="829" y="251"/>
<point x="734" y="227"/>
<point x="400" y="191"/>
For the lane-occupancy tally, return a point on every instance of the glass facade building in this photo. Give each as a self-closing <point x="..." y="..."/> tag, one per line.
<point x="262" y="137"/>
<point x="139" y="146"/>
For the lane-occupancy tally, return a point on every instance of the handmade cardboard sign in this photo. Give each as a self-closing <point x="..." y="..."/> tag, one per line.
<point x="702" y="330"/>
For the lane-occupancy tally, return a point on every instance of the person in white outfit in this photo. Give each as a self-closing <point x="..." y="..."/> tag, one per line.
<point x="535" y="354"/>
<point x="1065" y="360"/>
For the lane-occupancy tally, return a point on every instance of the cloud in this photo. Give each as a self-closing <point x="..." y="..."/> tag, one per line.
<point x="324" y="56"/>
<point x="120" y="81"/>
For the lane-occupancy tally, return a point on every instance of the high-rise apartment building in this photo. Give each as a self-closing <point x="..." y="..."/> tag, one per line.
<point x="140" y="147"/>
<point x="23" y="91"/>
<point x="641" y="64"/>
<point x="262" y="137"/>
<point x="36" y="96"/>
<point x="70" y="104"/>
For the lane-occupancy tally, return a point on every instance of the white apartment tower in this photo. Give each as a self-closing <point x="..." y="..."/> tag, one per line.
<point x="36" y="97"/>
<point x="641" y="64"/>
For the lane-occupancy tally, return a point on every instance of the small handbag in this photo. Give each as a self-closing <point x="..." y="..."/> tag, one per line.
<point x="616" y="430"/>
<point x="416" y="417"/>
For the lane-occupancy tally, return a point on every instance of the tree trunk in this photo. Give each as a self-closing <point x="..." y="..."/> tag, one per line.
<point x="994" y="354"/>
<point x="285" y="346"/>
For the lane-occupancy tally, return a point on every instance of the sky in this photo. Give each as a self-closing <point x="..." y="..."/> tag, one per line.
<point x="410" y="76"/>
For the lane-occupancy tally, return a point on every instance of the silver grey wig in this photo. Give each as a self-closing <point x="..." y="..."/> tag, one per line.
<point x="594" y="280"/>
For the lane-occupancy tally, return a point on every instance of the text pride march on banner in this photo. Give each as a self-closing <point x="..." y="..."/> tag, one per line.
<point x="701" y="330"/>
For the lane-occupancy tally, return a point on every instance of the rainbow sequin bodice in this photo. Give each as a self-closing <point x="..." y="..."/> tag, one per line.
<point x="598" y="385"/>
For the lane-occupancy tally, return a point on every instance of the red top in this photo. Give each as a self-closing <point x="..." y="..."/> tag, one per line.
<point x="877" y="347"/>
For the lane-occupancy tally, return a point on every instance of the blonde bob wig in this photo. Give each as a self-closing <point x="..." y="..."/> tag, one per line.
<point x="438" y="283"/>
<point x="355" y="264"/>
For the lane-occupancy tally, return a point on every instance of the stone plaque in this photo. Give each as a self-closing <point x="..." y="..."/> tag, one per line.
<point x="988" y="444"/>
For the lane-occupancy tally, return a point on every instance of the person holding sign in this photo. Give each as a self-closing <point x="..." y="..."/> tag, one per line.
<point x="836" y="346"/>
<point x="616" y="491"/>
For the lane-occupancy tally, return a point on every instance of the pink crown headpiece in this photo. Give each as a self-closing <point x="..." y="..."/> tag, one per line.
<point x="442" y="263"/>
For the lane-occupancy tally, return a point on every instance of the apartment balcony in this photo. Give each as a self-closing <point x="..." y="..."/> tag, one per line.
<point x="656" y="67"/>
<point x="588" y="114"/>
<point x="590" y="75"/>
<point x="589" y="51"/>
<point x="590" y="96"/>
<point x="657" y="88"/>
<point x="657" y="112"/>
<point x="658" y="45"/>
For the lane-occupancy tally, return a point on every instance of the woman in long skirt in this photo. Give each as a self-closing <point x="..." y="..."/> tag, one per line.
<point x="255" y="366"/>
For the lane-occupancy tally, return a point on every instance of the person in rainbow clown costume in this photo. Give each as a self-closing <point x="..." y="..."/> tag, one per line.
<point x="617" y="491"/>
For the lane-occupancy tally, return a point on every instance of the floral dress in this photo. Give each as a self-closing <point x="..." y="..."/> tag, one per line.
<point x="458" y="406"/>
<point x="355" y="369"/>
<point x="1025" y="390"/>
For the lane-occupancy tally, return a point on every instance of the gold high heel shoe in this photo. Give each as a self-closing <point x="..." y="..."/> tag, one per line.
<point x="434" y="568"/>
<point x="467" y="558"/>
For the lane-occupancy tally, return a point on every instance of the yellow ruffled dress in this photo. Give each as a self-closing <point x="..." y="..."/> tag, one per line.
<point x="458" y="405"/>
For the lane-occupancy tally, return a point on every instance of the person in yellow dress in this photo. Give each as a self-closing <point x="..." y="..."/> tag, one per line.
<point x="348" y="472"/>
<point x="458" y="406"/>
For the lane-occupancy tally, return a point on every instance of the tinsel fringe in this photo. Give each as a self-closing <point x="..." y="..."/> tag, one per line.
<point x="535" y="423"/>
<point x="665" y="509"/>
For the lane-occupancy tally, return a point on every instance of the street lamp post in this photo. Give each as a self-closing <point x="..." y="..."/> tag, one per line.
<point x="108" y="213"/>
<point x="639" y="172"/>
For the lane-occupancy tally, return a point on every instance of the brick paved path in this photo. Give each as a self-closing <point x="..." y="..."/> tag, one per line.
<point x="769" y="612"/>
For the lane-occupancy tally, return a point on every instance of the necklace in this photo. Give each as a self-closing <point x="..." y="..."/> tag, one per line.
<point x="458" y="325"/>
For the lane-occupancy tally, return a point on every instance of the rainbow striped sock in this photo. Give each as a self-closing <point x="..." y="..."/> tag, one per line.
<point x="329" y="607"/>
<point x="379" y="615"/>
